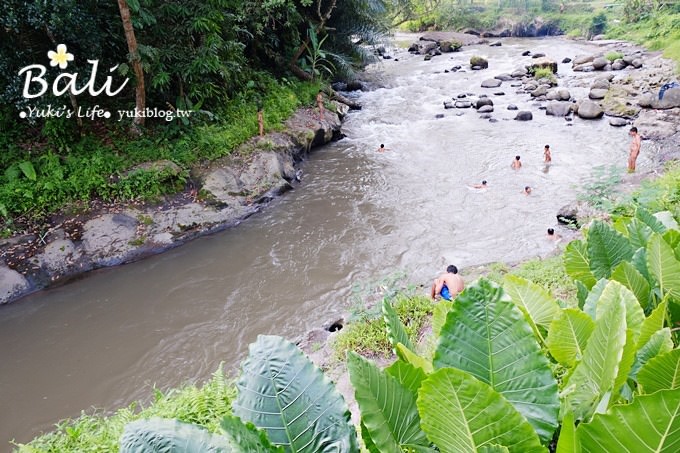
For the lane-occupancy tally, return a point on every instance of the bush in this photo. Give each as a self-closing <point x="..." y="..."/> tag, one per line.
<point x="544" y="73"/>
<point x="613" y="56"/>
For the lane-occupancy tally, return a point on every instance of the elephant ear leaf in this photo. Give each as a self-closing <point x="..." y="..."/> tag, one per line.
<point x="487" y="336"/>
<point x="246" y="438"/>
<point x="664" y="266"/>
<point x="395" y="329"/>
<point x="388" y="409"/>
<point x="577" y="263"/>
<point x="171" y="436"/>
<point x="282" y="392"/>
<point x="461" y="414"/>
<point x="568" y="336"/>
<point x="649" y="423"/>
<point x="606" y="249"/>
<point x="661" y="372"/>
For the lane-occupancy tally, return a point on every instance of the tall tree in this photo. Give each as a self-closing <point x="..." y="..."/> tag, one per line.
<point x="135" y="60"/>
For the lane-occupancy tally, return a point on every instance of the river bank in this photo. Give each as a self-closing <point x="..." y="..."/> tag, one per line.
<point x="361" y="212"/>
<point x="229" y="190"/>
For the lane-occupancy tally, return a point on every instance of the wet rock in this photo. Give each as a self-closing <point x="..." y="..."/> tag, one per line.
<point x="222" y="185"/>
<point x="463" y="104"/>
<point x="110" y="238"/>
<point x="657" y="124"/>
<point x="542" y="63"/>
<point x="597" y="93"/>
<point x="589" y="110"/>
<point x="637" y="63"/>
<point x="671" y="99"/>
<point x="456" y="68"/>
<point x="59" y="257"/>
<point x="448" y="105"/>
<point x="504" y="77"/>
<point x="575" y="214"/>
<point x="493" y="120"/>
<point x="482" y="101"/>
<point x="531" y="85"/>
<point x="540" y="91"/>
<point x="354" y="85"/>
<point x="428" y="57"/>
<point x="461" y="96"/>
<point x="602" y="84"/>
<point x="566" y="60"/>
<point x="387" y="57"/>
<point x="618" y="64"/>
<point x="582" y="59"/>
<point x="439" y="116"/>
<point x="524" y="115"/>
<point x="450" y="46"/>
<point x="12" y="284"/>
<point x="599" y="63"/>
<point x="518" y="73"/>
<point x="512" y="107"/>
<point x="628" y="59"/>
<point x="485" y="109"/>
<point x="526" y="53"/>
<point x="495" y="44"/>
<point x="617" y="122"/>
<point x="478" y="62"/>
<point x="499" y="93"/>
<point x="491" y="83"/>
<point x="552" y="95"/>
<point x="564" y="94"/>
<point x="538" y="55"/>
<point x="485" y="116"/>
<point x="587" y="67"/>
<point x="558" y="109"/>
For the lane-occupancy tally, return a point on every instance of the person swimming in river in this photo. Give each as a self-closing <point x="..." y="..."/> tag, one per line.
<point x="382" y="148"/>
<point x="552" y="236"/>
<point x="527" y="190"/>
<point x="547" y="158"/>
<point x="448" y="285"/>
<point x="516" y="164"/>
<point x="483" y="185"/>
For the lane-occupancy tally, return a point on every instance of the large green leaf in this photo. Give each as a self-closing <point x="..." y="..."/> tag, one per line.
<point x="568" y="336"/>
<point x="590" y="305"/>
<point x="659" y="343"/>
<point x="626" y="274"/>
<point x="651" y="423"/>
<point x="663" y="265"/>
<point x="388" y="410"/>
<point x="493" y="448"/>
<point x="638" y="233"/>
<point x="395" y="329"/>
<point x="282" y="392"/>
<point x="606" y="249"/>
<point x="648" y="219"/>
<point x="667" y="220"/>
<point x="439" y="313"/>
<point x="581" y="293"/>
<point x="535" y="302"/>
<point x="409" y="376"/>
<point x="652" y="323"/>
<point x="639" y="261"/>
<point x="171" y="436"/>
<point x="461" y="414"/>
<point x="414" y="359"/>
<point x="594" y="376"/>
<point x="672" y="238"/>
<point x="576" y="263"/>
<point x="661" y="372"/>
<point x="627" y="361"/>
<point x="635" y="316"/>
<point x="488" y="336"/>
<point x="568" y="442"/>
<point x="246" y="438"/>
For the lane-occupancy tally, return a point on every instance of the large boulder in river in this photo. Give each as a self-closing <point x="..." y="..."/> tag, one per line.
<point x="576" y="214"/>
<point x="582" y="59"/>
<point x="558" y="108"/>
<point x="478" y="62"/>
<point x="589" y="110"/>
<point x="450" y="46"/>
<point x="617" y="122"/>
<point x="657" y="124"/>
<point x="600" y="63"/>
<point x="491" y="83"/>
<point x="601" y="84"/>
<point x="618" y="64"/>
<point x="12" y="284"/>
<point x="671" y="99"/>
<point x="485" y="109"/>
<point x="463" y="104"/>
<point x="524" y="115"/>
<point x="597" y="93"/>
<point x="481" y="102"/>
<point x="542" y="62"/>
<point x="542" y="90"/>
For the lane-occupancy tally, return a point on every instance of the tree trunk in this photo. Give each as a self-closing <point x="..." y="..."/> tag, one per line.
<point x="140" y="97"/>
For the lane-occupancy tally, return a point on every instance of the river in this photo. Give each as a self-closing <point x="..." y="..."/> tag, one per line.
<point x="104" y="340"/>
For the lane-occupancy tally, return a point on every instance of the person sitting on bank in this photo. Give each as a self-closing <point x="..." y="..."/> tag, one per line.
<point x="448" y="285"/>
<point x="516" y="164"/>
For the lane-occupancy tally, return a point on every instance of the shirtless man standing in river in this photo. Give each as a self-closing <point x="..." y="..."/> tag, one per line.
<point x="448" y="285"/>
<point x="634" y="148"/>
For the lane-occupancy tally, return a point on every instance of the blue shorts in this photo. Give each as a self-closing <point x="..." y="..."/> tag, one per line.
<point x="445" y="293"/>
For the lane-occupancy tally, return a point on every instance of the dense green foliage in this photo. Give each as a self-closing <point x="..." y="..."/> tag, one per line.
<point x="218" y="60"/>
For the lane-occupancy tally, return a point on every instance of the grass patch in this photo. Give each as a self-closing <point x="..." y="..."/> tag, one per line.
<point x="549" y="274"/>
<point x="368" y="335"/>
<point x="205" y="406"/>
<point x="613" y="56"/>
<point x="544" y="73"/>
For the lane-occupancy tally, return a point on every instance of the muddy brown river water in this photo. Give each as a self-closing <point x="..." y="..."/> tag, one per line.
<point x="105" y="340"/>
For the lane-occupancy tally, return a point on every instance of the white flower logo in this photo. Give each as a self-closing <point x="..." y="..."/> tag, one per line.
<point x="60" y="57"/>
